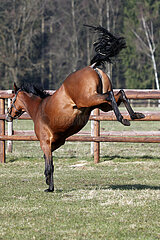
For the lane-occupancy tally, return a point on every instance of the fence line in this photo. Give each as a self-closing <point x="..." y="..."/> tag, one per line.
<point x="130" y="93"/>
<point x="87" y="133"/>
<point x="110" y="116"/>
<point x="76" y="138"/>
<point x="139" y="137"/>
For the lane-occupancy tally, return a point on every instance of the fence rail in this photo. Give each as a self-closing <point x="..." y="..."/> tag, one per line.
<point x="110" y="116"/>
<point x="130" y="93"/>
<point x="133" y="137"/>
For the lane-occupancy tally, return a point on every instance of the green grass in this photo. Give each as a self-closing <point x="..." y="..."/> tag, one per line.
<point x="116" y="199"/>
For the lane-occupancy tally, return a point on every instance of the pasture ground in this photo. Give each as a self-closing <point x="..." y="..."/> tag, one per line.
<point x="118" y="198"/>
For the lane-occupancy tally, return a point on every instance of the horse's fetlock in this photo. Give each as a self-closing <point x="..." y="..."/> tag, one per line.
<point x="46" y="172"/>
<point x="49" y="170"/>
<point x="120" y="118"/>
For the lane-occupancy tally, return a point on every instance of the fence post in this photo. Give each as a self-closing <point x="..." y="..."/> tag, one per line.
<point x="2" y="131"/>
<point x="92" y="135"/>
<point x="10" y="129"/>
<point x="96" y="134"/>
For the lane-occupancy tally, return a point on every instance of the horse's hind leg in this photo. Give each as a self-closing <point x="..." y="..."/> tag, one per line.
<point x="121" y="97"/>
<point x="116" y="110"/>
<point x="100" y="101"/>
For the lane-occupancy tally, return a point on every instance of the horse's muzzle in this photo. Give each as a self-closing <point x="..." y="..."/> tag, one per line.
<point x="9" y="118"/>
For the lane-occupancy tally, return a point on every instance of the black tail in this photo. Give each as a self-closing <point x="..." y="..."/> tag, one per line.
<point x="107" y="46"/>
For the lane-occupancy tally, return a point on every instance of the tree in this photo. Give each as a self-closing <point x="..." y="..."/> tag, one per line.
<point x="19" y="34"/>
<point x="141" y="43"/>
<point x="43" y="41"/>
<point x="149" y="47"/>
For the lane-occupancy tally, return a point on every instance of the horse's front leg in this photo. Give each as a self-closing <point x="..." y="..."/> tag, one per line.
<point x="49" y="169"/>
<point x="121" y="97"/>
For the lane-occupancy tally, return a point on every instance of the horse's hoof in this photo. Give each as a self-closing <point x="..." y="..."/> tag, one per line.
<point x="49" y="190"/>
<point x="137" y="115"/>
<point x="125" y="122"/>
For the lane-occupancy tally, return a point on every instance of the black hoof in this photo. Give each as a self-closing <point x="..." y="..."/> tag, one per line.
<point x="137" y="116"/>
<point x="49" y="190"/>
<point x="125" y="122"/>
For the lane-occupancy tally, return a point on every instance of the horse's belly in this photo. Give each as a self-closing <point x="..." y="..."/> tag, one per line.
<point x="68" y="124"/>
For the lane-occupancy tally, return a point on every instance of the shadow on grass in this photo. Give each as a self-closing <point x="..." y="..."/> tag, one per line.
<point x="133" y="187"/>
<point x="129" y="158"/>
<point x="126" y="187"/>
<point x="16" y="159"/>
<point x="38" y="159"/>
<point x="11" y="160"/>
<point x="123" y="187"/>
<point x="104" y="158"/>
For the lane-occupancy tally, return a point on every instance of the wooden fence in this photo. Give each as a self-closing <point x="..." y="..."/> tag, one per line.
<point x="96" y="137"/>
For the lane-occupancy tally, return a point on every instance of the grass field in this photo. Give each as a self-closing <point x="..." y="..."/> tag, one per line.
<point x="118" y="198"/>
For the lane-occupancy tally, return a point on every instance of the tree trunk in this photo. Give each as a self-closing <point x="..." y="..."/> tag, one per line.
<point x="109" y="66"/>
<point x="152" y="49"/>
<point x="88" y="48"/>
<point x="42" y="51"/>
<point x="75" y="40"/>
<point x="14" y="71"/>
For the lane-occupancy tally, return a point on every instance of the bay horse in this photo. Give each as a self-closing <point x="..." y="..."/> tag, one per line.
<point x="58" y="116"/>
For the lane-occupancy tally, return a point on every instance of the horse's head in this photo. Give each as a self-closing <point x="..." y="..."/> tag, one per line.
<point x="16" y="109"/>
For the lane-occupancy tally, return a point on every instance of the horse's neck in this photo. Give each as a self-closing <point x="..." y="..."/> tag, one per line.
<point x="31" y="104"/>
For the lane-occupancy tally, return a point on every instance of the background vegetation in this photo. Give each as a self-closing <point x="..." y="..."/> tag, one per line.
<point x="42" y="41"/>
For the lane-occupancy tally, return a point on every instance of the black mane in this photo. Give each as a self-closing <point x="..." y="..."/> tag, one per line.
<point x="38" y="91"/>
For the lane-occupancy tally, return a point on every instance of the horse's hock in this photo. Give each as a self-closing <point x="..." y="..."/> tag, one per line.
<point x="96" y="137"/>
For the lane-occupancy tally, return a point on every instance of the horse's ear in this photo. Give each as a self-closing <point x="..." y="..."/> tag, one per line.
<point x="15" y="88"/>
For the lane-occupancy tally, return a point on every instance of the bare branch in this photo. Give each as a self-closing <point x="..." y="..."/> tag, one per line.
<point x="144" y="46"/>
